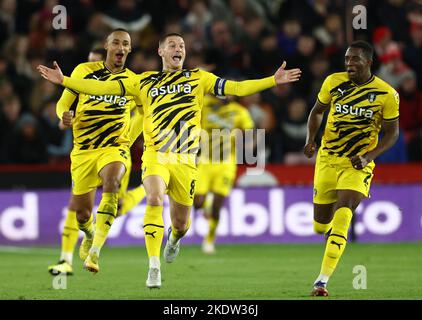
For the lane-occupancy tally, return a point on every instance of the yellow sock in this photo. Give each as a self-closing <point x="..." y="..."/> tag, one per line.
<point x="69" y="236"/>
<point x="176" y="235"/>
<point x="106" y="214"/>
<point x="322" y="227"/>
<point x="212" y="230"/>
<point x="336" y="242"/>
<point x="131" y="198"/>
<point x="154" y="230"/>
<point x="207" y="206"/>
<point x="87" y="227"/>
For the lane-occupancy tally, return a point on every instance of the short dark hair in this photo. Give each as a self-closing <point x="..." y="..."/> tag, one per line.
<point x="171" y="34"/>
<point x="367" y="49"/>
<point x="119" y="29"/>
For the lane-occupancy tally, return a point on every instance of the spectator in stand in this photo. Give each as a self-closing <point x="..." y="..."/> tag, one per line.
<point x="94" y="33"/>
<point x="40" y="95"/>
<point x="230" y="37"/>
<point x="392" y="14"/>
<point x="414" y="147"/>
<point x="319" y="68"/>
<point x="127" y="14"/>
<point x="198" y="19"/>
<point x="305" y="50"/>
<point x="410" y="105"/>
<point x="9" y="116"/>
<point x="6" y="90"/>
<point x="413" y="51"/>
<point x="392" y="68"/>
<point x="224" y="52"/>
<point x="267" y="54"/>
<point x="59" y="142"/>
<point x="27" y="144"/>
<point x="63" y="51"/>
<point x="288" y="36"/>
<point x="7" y="19"/>
<point x="293" y="129"/>
<point x="397" y="153"/>
<point x="332" y="36"/>
<point x="263" y="116"/>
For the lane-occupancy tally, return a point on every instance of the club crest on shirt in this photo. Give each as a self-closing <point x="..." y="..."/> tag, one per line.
<point x="186" y="74"/>
<point x="371" y="97"/>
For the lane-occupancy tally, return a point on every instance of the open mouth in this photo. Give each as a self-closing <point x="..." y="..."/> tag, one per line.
<point x="177" y="58"/>
<point x="351" y="72"/>
<point x="119" y="55"/>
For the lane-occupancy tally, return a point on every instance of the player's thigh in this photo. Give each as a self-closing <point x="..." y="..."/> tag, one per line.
<point x="155" y="178"/>
<point x="183" y="178"/>
<point x="153" y="165"/>
<point x="112" y="165"/>
<point x="199" y="200"/>
<point x="354" y="185"/>
<point x="84" y="200"/>
<point x="349" y="199"/>
<point x="84" y="172"/>
<point x="223" y="179"/>
<point x="83" y="204"/>
<point x="325" y="181"/>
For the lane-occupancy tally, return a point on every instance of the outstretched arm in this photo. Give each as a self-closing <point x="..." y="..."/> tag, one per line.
<point x="86" y="86"/>
<point x="248" y="87"/>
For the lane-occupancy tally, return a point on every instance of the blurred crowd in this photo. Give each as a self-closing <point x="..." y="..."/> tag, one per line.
<point x="236" y="39"/>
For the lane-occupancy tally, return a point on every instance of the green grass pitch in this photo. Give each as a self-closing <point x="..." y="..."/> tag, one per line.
<point x="246" y="272"/>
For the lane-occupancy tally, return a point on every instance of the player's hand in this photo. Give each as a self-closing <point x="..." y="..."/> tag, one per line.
<point x="359" y="162"/>
<point x="53" y="75"/>
<point x="309" y="149"/>
<point x="285" y="76"/>
<point x="67" y="118"/>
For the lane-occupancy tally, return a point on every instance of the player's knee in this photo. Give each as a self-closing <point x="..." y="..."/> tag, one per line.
<point x="155" y="199"/>
<point x="321" y="228"/>
<point x="83" y="215"/>
<point x="198" y="202"/>
<point x="111" y="185"/>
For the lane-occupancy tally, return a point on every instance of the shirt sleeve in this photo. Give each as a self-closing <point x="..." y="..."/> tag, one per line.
<point x="121" y="87"/>
<point x="65" y="102"/>
<point x="324" y="95"/>
<point x="391" y="106"/>
<point x="221" y="87"/>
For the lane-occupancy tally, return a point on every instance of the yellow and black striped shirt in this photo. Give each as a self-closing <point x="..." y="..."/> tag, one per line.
<point x="356" y="113"/>
<point x="172" y="102"/>
<point x="100" y="120"/>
